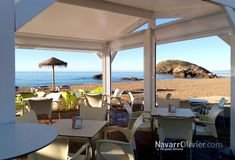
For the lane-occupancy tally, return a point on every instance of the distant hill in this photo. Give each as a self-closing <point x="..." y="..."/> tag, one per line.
<point x="183" y="69"/>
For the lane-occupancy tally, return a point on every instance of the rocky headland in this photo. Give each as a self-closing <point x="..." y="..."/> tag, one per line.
<point x="183" y="69"/>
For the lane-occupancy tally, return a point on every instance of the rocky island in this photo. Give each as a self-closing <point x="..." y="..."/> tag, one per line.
<point x="98" y="76"/>
<point x="183" y="69"/>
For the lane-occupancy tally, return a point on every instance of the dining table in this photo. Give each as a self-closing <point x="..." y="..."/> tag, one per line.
<point x="18" y="139"/>
<point x="88" y="130"/>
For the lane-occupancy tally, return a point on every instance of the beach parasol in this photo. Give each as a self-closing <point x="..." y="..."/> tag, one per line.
<point x="53" y="62"/>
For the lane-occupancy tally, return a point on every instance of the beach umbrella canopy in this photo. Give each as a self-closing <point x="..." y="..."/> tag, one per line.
<point x="53" y="62"/>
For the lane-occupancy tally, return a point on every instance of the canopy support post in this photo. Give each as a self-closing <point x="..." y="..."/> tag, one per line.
<point x="106" y="70"/>
<point x="150" y="67"/>
<point x="7" y="62"/>
<point x="232" y="103"/>
<point x="106" y="75"/>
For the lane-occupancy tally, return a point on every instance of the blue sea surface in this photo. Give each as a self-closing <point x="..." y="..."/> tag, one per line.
<point x="222" y="73"/>
<point x="33" y="79"/>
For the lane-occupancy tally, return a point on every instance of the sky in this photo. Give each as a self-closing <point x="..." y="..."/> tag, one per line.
<point x="211" y="53"/>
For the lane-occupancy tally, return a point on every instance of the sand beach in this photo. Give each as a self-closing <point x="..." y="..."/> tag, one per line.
<point x="179" y="88"/>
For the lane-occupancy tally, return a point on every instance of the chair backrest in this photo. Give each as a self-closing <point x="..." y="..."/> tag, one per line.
<point x="128" y="108"/>
<point x="97" y="90"/>
<point x="40" y="107"/>
<point x="175" y="128"/>
<point x="222" y="102"/>
<point x="131" y="97"/>
<point x="130" y="114"/>
<point x="40" y="93"/>
<point x="94" y="99"/>
<point x="117" y="93"/>
<point x="93" y="113"/>
<point x="55" y="96"/>
<point x="58" y="150"/>
<point x="30" y="117"/>
<point x="168" y="96"/>
<point x="213" y="113"/>
<point x="77" y="94"/>
<point x="139" y="121"/>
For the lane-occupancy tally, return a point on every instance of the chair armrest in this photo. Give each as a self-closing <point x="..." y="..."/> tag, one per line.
<point x="98" y="142"/>
<point x="118" y="98"/>
<point x="123" y="145"/>
<point x="196" y="107"/>
<point x="147" y="114"/>
<point x="125" y="131"/>
<point x="204" y="124"/>
<point x="201" y="117"/>
<point x="83" y="148"/>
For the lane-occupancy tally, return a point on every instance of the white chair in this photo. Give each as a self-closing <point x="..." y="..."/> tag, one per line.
<point x="112" y="149"/>
<point x="59" y="150"/>
<point x="135" y="100"/>
<point x="205" y="109"/>
<point x="94" y="100"/>
<point x="206" y="123"/>
<point x="117" y="93"/>
<point x="80" y="98"/>
<point x="175" y="128"/>
<point x="40" y="93"/>
<point x="42" y="107"/>
<point x="77" y="94"/>
<point x="92" y="113"/>
<point x="222" y="102"/>
<point x="116" y="97"/>
<point x="55" y="100"/>
<point x="146" y="126"/>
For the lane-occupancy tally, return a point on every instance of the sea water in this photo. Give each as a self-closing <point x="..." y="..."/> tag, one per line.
<point x="31" y="79"/>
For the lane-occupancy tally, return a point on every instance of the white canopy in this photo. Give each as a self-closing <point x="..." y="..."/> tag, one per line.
<point x="90" y="24"/>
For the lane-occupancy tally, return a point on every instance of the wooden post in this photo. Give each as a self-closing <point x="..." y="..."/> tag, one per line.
<point x="7" y="61"/>
<point x="53" y="78"/>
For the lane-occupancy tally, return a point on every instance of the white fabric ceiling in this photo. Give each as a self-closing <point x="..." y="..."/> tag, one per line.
<point x="101" y="21"/>
<point x="78" y="22"/>
<point x="173" y="8"/>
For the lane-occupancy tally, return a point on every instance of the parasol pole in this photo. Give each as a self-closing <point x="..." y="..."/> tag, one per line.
<point x="53" y="78"/>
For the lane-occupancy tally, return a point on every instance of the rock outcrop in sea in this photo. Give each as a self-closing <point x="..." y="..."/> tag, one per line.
<point x="131" y="78"/>
<point x="183" y="69"/>
<point x="98" y="76"/>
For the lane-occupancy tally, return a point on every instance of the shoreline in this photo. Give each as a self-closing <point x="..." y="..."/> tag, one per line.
<point x="181" y="88"/>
